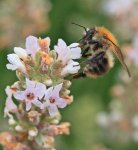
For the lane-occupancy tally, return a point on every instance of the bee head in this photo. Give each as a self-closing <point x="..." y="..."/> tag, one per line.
<point x="91" y="32"/>
<point x="88" y="35"/>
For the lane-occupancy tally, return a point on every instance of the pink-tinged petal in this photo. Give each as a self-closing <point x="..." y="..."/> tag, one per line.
<point x="40" y="90"/>
<point x="20" y="95"/>
<point x="30" y="84"/>
<point x="56" y="90"/>
<point x="62" y="44"/>
<point x="32" y="45"/>
<point x="62" y="50"/>
<point x="37" y="103"/>
<point x="61" y="103"/>
<point x="10" y="106"/>
<point x="8" y="91"/>
<point x="48" y="93"/>
<point x="28" y="106"/>
<point x="53" y="110"/>
<point x="44" y="105"/>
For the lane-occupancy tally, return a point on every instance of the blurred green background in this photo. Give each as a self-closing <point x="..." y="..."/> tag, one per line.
<point x="90" y="95"/>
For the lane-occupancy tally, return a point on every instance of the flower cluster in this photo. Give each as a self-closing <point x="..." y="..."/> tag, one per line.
<point x="32" y="102"/>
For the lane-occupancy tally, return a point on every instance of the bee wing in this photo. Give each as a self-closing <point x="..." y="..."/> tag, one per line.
<point x="120" y="57"/>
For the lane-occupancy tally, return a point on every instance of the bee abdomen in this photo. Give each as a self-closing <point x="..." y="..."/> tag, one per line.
<point x="98" y="67"/>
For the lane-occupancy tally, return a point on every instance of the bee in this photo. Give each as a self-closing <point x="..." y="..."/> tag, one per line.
<point x="97" y="45"/>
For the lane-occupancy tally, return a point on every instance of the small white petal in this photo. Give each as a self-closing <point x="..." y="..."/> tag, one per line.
<point x="61" y="43"/>
<point x="63" y="51"/>
<point x="56" y="90"/>
<point x="71" y="68"/>
<point x="9" y="106"/>
<point x="30" y="84"/>
<point x="61" y="103"/>
<point x="20" y="52"/>
<point x="37" y="103"/>
<point x="20" y="95"/>
<point x="8" y="91"/>
<point x="32" y="45"/>
<point x="75" y="51"/>
<point x="44" y="105"/>
<point x="40" y="90"/>
<point x="13" y="58"/>
<point x="28" y="106"/>
<point x="53" y="110"/>
<point x="15" y="63"/>
<point x="48" y="93"/>
<point x="11" y="67"/>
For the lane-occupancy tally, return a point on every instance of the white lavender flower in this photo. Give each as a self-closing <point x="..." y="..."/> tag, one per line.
<point x="32" y="94"/>
<point x="15" y="63"/>
<point x="66" y="54"/>
<point x="20" y="52"/>
<point x="53" y="101"/>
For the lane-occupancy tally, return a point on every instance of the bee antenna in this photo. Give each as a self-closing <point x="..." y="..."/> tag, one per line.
<point x="80" y="26"/>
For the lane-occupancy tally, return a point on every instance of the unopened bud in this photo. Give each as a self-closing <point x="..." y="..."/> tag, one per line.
<point x="67" y="92"/>
<point x="11" y="121"/>
<point x="68" y="83"/>
<point x="48" y="82"/>
<point x="33" y="132"/>
<point x="19" y="128"/>
<point x="55" y="121"/>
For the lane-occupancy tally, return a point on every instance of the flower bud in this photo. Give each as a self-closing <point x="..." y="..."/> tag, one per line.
<point x="19" y="128"/>
<point x="34" y="117"/>
<point x="48" y="82"/>
<point x="33" y="132"/>
<point x="67" y="92"/>
<point x="55" y="121"/>
<point x="67" y="84"/>
<point x="11" y="121"/>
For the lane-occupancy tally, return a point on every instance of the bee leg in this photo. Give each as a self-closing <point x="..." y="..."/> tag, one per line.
<point x="77" y="76"/>
<point x="84" y="53"/>
<point x="97" y="44"/>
